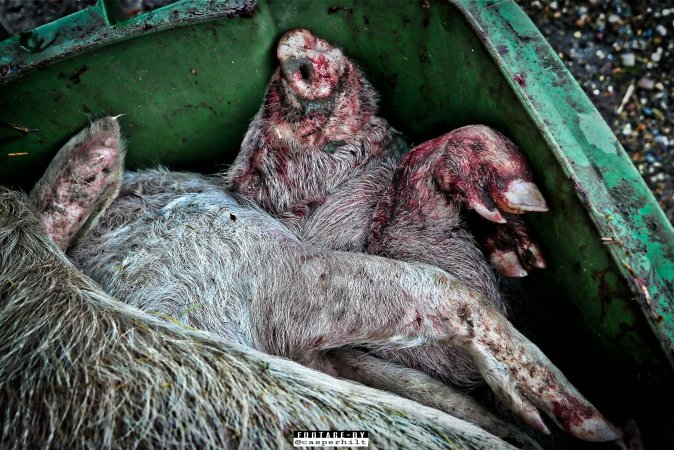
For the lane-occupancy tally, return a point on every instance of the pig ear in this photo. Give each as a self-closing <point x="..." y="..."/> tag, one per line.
<point x="81" y="181"/>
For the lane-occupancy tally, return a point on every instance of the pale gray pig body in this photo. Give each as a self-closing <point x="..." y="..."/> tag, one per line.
<point x="79" y="370"/>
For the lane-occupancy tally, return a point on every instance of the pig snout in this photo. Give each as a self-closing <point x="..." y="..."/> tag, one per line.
<point x="310" y="66"/>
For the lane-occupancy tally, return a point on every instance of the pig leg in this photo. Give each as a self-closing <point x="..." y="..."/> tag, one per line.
<point x="415" y="221"/>
<point x="481" y="169"/>
<point x="509" y="246"/>
<point x="337" y="299"/>
<point x="79" y="369"/>
<point x="409" y="383"/>
<point x="486" y="171"/>
<point x="80" y="182"/>
<point x="352" y="299"/>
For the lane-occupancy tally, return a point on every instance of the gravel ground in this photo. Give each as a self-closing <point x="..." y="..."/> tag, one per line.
<point x="622" y="54"/>
<point x="620" y="51"/>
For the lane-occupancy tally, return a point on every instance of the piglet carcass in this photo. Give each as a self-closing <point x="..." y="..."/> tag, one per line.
<point x="331" y="177"/>
<point x="81" y="370"/>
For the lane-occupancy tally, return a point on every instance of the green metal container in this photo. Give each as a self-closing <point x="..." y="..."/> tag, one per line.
<point x="190" y="76"/>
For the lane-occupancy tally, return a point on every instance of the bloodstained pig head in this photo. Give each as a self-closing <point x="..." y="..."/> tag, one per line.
<point x="318" y="95"/>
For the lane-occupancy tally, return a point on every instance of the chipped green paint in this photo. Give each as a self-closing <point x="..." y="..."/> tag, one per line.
<point x="190" y="76"/>
<point x="617" y="199"/>
<point x="99" y="25"/>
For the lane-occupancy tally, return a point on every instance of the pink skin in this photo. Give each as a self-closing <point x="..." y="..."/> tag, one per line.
<point x="283" y="135"/>
<point x="473" y="166"/>
<point x="483" y="170"/>
<point x="74" y="196"/>
<point x="308" y="106"/>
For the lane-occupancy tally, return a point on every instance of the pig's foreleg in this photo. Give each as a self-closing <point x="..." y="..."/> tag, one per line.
<point x="351" y="299"/>
<point x="360" y="366"/>
<point x="81" y="181"/>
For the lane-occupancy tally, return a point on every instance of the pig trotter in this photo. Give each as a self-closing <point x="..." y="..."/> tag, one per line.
<point x="80" y="182"/>
<point x="509" y="246"/>
<point x="480" y="168"/>
<point x="486" y="171"/>
<point x="525" y="379"/>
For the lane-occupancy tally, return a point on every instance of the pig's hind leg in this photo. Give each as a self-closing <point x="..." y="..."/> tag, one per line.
<point x="475" y="167"/>
<point x="419" y="220"/>
<point x="344" y="299"/>
<point x="365" y="368"/>
<point x="81" y="181"/>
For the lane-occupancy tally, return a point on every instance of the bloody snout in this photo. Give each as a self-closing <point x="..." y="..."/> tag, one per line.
<point x="310" y="66"/>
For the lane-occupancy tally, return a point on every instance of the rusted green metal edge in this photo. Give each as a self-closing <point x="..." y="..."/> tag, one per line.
<point x="638" y="235"/>
<point x="99" y="25"/>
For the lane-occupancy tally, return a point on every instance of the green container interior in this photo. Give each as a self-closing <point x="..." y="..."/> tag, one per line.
<point x="190" y="76"/>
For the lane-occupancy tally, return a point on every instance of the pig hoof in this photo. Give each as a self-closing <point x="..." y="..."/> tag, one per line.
<point x="480" y="168"/>
<point x="521" y="196"/>
<point x="525" y="379"/>
<point x="509" y="246"/>
<point x="80" y="182"/>
<point x="484" y="170"/>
